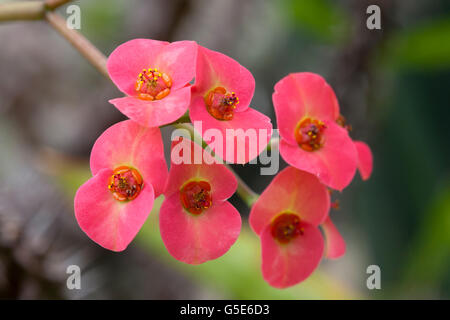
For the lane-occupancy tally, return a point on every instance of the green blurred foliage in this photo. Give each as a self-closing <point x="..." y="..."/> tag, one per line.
<point x="425" y="46"/>
<point x="430" y="252"/>
<point x="325" y="20"/>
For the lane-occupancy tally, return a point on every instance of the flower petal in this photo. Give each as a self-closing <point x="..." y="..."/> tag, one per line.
<point x="365" y="159"/>
<point x="300" y="95"/>
<point x="215" y="69"/>
<point x="129" y="59"/>
<point x="249" y="132"/>
<point x="223" y="182"/>
<point x="294" y="191"/>
<point x="155" y="113"/>
<point x="284" y="265"/>
<point x="129" y="144"/>
<point x="334" y="164"/>
<point x="335" y="244"/>
<point x="196" y="239"/>
<point x="108" y="222"/>
<point x="178" y="60"/>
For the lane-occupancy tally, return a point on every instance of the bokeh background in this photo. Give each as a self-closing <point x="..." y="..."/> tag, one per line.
<point x="393" y="88"/>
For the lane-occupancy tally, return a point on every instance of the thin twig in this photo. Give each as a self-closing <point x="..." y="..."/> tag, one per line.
<point x="86" y="48"/>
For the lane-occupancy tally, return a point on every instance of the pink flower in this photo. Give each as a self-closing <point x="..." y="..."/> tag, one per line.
<point x="335" y="244"/>
<point x="220" y="100"/>
<point x="197" y="224"/>
<point x="129" y="171"/>
<point x="306" y="109"/>
<point x="154" y="75"/>
<point x="286" y="217"/>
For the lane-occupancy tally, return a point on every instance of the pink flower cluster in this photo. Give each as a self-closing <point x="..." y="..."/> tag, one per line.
<point x="162" y="82"/>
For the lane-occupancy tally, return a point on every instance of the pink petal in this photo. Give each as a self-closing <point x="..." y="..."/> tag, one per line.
<point x="128" y="144"/>
<point x="365" y="159"/>
<point x="223" y="182"/>
<point x="300" y="95"/>
<point x="108" y="222"/>
<point x="195" y="239"/>
<point x="284" y="265"/>
<point x="129" y="59"/>
<point x="158" y="112"/>
<point x="178" y="60"/>
<point x="252" y="122"/>
<point x="215" y="69"/>
<point x="335" y="244"/>
<point x="294" y="191"/>
<point x="334" y="164"/>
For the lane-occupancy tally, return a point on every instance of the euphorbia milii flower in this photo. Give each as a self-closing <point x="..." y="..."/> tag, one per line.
<point x="129" y="170"/>
<point x="220" y="100"/>
<point x="311" y="140"/>
<point x="286" y="217"/>
<point x="197" y="224"/>
<point x="335" y="244"/>
<point x="154" y="76"/>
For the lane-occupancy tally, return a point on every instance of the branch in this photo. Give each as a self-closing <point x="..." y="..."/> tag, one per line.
<point x="28" y="10"/>
<point x="87" y="49"/>
<point x="24" y="10"/>
<point x="53" y="4"/>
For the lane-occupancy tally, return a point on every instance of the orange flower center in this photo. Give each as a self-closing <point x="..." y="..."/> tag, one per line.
<point x="309" y="134"/>
<point x="286" y="227"/>
<point x="221" y="104"/>
<point x="196" y="196"/>
<point x="151" y="84"/>
<point x="125" y="184"/>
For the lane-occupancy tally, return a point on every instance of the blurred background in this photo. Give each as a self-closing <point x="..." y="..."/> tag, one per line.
<point x="392" y="85"/>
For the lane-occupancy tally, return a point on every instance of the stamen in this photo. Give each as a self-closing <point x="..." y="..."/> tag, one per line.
<point x="151" y="84"/>
<point x="286" y="227"/>
<point x="221" y="104"/>
<point x="196" y="196"/>
<point x="125" y="184"/>
<point x="309" y="134"/>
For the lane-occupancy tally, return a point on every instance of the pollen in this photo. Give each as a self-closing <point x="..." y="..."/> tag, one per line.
<point x="285" y="227"/>
<point x="309" y="134"/>
<point x="151" y="84"/>
<point x="196" y="196"/>
<point x="221" y="104"/>
<point x="125" y="183"/>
